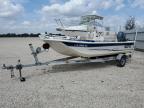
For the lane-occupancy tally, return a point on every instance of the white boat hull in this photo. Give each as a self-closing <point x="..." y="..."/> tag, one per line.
<point x="89" y="49"/>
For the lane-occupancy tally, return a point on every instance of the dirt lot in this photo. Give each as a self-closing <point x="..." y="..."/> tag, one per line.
<point x="94" y="85"/>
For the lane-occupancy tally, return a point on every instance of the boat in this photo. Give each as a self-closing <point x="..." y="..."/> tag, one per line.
<point x="89" y="39"/>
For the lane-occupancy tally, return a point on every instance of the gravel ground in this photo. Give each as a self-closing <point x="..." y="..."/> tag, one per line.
<point x="94" y="85"/>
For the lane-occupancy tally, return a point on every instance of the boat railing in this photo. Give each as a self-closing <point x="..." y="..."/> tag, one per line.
<point x="55" y="34"/>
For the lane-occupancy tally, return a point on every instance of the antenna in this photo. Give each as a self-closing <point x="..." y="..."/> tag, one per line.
<point x="58" y="21"/>
<point x="61" y="23"/>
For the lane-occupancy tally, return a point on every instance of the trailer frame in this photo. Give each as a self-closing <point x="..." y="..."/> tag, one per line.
<point x="121" y="59"/>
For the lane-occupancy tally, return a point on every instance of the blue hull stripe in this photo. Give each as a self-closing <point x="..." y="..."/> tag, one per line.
<point x="95" y="44"/>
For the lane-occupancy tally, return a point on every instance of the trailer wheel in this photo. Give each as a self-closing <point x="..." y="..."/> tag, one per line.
<point x="122" y="61"/>
<point x="22" y="79"/>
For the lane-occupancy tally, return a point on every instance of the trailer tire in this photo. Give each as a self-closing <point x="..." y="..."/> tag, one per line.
<point x="22" y="79"/>
<point x="122" y="61"/>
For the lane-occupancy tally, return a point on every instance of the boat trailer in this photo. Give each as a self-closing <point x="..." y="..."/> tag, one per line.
<point x="120" y="58"/>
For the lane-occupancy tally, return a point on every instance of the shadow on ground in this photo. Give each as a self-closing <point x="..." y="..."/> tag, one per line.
<point x="78" y="67"/>
<point x="70" y="68"/>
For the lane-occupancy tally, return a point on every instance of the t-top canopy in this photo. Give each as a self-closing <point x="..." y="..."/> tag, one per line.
<point x="92" y="17"/>
<point x="88" y="18"/>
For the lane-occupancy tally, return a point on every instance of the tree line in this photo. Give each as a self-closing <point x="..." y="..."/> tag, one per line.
<point x="20" y="35"/>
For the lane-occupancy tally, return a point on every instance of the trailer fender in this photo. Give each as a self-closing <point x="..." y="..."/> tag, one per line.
<point x="119" y="56"/>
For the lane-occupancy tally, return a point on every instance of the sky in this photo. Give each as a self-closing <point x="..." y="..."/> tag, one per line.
<point x="37" y="16"/>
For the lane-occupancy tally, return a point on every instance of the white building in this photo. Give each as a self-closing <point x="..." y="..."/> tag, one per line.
<point x="140" y="37"/>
